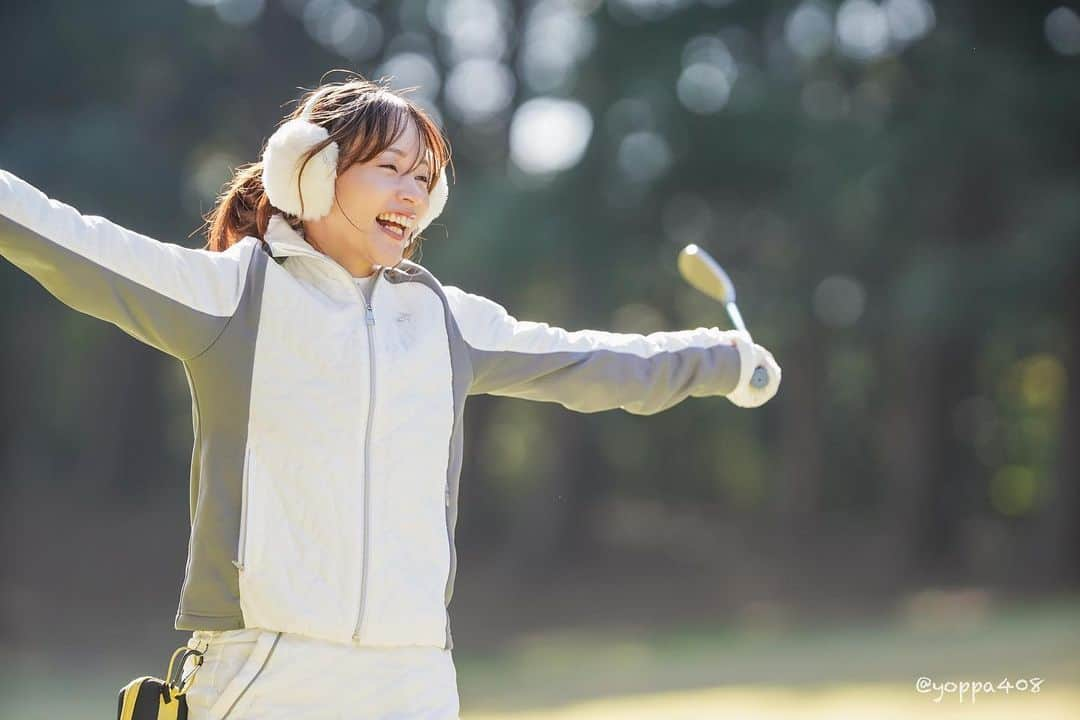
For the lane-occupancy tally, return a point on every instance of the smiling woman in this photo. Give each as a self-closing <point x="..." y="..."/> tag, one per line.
<point x="376" y="207"/>
<point x="328" y="377"/>
<point x="352" y="151"/>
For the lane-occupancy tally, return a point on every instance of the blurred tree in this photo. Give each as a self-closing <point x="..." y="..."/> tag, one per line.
<point x="892" y="186"/>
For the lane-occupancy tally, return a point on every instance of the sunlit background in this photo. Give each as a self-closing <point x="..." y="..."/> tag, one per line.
<point x="894" y="188"/>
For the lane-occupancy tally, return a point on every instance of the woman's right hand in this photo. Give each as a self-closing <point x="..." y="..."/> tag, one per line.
<point x="751" y="357"/>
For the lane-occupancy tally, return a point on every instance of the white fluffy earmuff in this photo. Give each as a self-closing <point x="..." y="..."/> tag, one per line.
<point x="281" y="166"/>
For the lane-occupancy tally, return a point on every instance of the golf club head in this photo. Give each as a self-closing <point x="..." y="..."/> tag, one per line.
<point x="702" y="272"/>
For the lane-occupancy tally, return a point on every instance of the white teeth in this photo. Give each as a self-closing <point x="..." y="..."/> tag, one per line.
<point x="399" y="219"/>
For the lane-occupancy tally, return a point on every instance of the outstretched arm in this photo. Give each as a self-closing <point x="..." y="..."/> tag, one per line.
<point x="173" y="298"/>
<point x="594" y="370"/>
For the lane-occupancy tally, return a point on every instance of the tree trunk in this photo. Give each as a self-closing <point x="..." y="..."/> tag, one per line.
<point x="799" y="489"/>
<point x="535" y="543"/>
<point x="123" y="454"/>
<point x="1057" y="550"/>
<point x="907" y="440"/>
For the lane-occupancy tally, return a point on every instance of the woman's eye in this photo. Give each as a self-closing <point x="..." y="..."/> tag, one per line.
<point x="423" y="178"/>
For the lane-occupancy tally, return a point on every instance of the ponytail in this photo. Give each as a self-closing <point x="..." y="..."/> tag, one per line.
<point x="242" y="209"/>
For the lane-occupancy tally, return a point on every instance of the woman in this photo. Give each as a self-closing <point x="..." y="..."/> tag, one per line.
<point x="328" y="375"/>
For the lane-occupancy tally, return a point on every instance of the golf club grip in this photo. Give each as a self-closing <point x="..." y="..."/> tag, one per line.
<point x="760" y="378"/>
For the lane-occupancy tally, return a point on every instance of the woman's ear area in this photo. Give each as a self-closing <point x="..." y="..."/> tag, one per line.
<point x="309" y="195"/>
<point x="436" y="202"/>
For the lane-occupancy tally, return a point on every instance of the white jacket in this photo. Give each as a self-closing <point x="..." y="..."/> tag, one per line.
<point x="327" y="433"/>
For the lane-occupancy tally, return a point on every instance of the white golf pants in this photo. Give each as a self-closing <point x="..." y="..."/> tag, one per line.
<point x="255" y="673"/>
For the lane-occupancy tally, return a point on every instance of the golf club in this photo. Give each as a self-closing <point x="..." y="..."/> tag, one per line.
<point x="705" y="274"/>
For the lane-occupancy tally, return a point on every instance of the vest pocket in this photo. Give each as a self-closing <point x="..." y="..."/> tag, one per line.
<point x="245" y="509"/>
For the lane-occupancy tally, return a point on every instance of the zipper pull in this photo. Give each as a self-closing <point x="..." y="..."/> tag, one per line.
<point x="447" y="496"/>
<point x="370" y="315"/>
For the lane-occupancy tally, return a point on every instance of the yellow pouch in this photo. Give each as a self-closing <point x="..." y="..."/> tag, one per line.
<point x="151" y="698"/>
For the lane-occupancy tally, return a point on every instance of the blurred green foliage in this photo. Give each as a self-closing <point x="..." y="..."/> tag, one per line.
<point x="900" y="218"/>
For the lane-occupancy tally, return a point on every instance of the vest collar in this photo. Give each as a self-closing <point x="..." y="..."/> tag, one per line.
<point x="284" y="241"/>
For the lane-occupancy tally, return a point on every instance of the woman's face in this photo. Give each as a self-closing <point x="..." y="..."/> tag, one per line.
<point x="350" y="233"/>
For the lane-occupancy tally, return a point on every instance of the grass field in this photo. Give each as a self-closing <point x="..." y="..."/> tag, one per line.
<point x="835" y="670"/>
<point x="848" y="669"/>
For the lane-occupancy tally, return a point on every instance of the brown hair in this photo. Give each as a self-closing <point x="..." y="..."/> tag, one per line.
<point x="364" y="118"/>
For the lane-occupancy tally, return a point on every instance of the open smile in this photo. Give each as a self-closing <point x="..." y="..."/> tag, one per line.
<point x="396" y="235"/>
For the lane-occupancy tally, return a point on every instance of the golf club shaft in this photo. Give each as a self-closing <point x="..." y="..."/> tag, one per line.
<point x="736" y="317"/>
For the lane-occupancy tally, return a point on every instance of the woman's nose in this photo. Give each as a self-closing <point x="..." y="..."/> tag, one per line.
<point x="413" y="190"/>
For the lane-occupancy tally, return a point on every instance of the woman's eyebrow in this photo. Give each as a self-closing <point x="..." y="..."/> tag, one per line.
<point x="401" y="154"/>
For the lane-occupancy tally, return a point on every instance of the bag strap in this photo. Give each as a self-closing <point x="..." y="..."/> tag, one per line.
<point x="176" y="684"/>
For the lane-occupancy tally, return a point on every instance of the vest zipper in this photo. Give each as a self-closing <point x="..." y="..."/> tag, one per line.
<point x="370" y="327"/>
<point x="369" y="312"/>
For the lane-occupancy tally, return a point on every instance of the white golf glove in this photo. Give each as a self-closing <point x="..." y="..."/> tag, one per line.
<point x="751" y="355"/>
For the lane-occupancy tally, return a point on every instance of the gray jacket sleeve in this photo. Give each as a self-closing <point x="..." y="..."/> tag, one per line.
<point x="591" y="370"/>
<point x="173" y="298"/>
